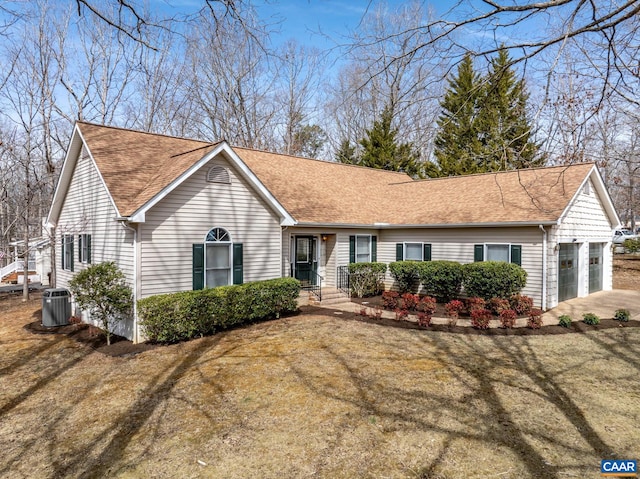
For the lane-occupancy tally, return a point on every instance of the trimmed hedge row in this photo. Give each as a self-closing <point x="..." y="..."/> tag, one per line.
<point x="445" y="279"/>
<point x="169" y="318"/>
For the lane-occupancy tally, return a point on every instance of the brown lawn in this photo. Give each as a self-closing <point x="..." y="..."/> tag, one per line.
<point x="318" y="395"/>
<point x="626" y="271"/>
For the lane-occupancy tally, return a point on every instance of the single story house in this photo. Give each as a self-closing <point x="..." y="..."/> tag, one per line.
<point x="178" y="214"/>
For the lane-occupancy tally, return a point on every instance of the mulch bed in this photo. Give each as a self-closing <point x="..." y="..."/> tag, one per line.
<point x="92" y="337"/>
<point x="575" y="327"/>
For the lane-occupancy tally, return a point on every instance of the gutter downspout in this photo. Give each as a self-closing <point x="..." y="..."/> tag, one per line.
<point x="544" y="268"/>
<point x="135" y="277"/>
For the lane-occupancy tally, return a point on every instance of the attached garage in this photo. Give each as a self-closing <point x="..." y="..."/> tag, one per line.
<point x="568" y="271"/>
<point x="595" y="267"/>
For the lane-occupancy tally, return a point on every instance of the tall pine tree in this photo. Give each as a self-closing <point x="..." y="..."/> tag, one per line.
<point x="381" y="150"/>
<point x="506" y="132"/>
<point x="484" y="126"/>
<point x="457" y="144"/>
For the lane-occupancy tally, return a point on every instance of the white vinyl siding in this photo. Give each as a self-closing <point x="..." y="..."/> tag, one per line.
<point x="87" y="209"/>
<point x="457" y="244"/>
<point x="584" y="222"/>
<point x="185" y="216"/>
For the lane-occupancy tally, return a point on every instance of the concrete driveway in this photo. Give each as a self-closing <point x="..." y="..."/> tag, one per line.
<point x="602" y="303"/>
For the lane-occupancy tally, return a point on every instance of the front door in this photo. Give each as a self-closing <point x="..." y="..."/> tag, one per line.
<point x="306" y="266"/>
<point x="568" y="267"/>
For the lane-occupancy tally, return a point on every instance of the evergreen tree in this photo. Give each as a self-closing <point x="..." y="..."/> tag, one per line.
<point x="381" y="150"/>
<point x="346" y="153"/>
<point x="502" y="120"/>
<point x="484" y="125"/>
<point x="457" y="144"/>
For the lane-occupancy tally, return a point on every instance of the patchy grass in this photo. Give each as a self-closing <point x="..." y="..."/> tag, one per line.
<point x="318" y="396"/>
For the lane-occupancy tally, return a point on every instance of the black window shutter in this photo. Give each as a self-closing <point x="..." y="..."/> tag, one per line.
<point x="374" y="249"/>
<point x="80" y="248"/>
<point x="516" y="254"/>
<point x="89" y="249"/>
<point x="197" y="266"/>
<point x="399" y="251"/>
<point x="237" y="264"/>
<point x="63" y="261"/>
<point x="426" y="252"/>
<point x="352" y="249"/>
<point x="478" y="252"/>
<point x="70" y="238"/>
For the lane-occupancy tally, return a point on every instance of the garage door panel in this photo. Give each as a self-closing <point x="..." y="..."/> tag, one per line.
<point x="568" y="271"/>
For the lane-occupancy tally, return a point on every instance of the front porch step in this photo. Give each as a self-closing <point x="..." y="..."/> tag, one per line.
<point x="333" y="296"/>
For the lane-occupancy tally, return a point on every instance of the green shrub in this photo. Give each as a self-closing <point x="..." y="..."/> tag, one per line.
<point x="168" y="318"/>
<point x="622" y="315"/>
<point x="102" y="290"/>
<point x="488" y="279"/>
<point x="564" y="320"/>
<point x="366" y="279"/>
<point x="441" y="279"/>
<point x="632" y="245"/>
<point x="590" y="318"/>
<point x="406" y="275"/>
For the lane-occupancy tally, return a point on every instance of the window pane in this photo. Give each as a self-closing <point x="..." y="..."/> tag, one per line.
<point x="218" y="256"/>
<point x="217" y="277"/>
<point x="413" y="251"/>
<point x="363" y="249"/>
<point x="498" y="252"/>
<point x="302" y="250"/>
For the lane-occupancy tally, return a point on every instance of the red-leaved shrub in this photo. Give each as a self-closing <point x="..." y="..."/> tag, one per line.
<point x="427" y="304"/>
<point x="409" y="301"/>
<point x="480" y="318"/>
<point x="475" y="304"/>
<point x="535" y="319"/>
<point x="401" y="314"/>
<point x="453" y="308"/>
<point x="508" y="318"/>
<point x="424" y="319"/>
<point x="497" y="305"/>
<point x="521" y="304"/>
<point x="390" y="299"/>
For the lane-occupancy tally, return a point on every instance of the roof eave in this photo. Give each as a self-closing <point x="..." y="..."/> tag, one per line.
<point x="546" y="222"/>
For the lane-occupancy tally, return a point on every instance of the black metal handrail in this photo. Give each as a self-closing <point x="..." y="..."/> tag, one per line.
<point x="310" y="281"/>
<point x="344" y="284"/>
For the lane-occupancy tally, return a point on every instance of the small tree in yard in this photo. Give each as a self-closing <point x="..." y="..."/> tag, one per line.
<point x="101" y="289"/>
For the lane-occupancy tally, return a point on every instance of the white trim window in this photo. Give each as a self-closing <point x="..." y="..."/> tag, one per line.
<point x="413" y="251"/>
<point x="217" y="258"/>
<point x="84" y="248"/>
<point x="67" y="252"/>
<point x="497" y="252"/>
<point x="363" y="248"/>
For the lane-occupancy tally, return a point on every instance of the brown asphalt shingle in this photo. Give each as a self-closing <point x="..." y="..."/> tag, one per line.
<point x="136" y="166"/>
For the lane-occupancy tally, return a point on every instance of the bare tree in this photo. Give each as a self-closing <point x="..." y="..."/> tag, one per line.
<point x="231" y="84"/>
<point x="388" y="68"/>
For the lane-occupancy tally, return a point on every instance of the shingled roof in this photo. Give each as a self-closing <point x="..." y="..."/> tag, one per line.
<point x="137" y="166"/>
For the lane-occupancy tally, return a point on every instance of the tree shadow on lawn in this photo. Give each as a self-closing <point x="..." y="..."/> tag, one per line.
<point x="495" y="424"/>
